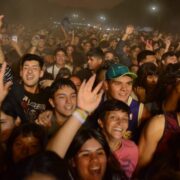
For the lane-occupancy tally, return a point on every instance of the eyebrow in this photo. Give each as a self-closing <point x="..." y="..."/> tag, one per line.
<point x="89" y="150"/>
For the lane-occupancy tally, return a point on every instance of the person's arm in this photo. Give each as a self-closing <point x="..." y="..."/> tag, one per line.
<point x="2" y="57"/>
<point x="149" y="139"/>
<point x="87" y="101"/>
<point x="17" y="48"/>
<point x="64" y="32"/>
<point x="119" y="48"/>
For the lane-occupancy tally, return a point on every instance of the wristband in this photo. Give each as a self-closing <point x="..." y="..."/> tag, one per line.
<point x="80" y="115"/>
<point x="88" y="113"/>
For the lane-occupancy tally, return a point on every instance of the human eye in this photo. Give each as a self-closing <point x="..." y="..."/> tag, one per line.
<point x="84" y="154"/>
<point x="61" y="97"/>
<point x="130" y="83"/>
<point x="25" y="67"/>
<point x="124" y="120"/>
<point x="73" y="95"/>
<point x="35" y="68"/>
<point x="101" y="152"/>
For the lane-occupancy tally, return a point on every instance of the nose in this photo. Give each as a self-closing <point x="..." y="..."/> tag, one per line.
<point x="123" y="86"/>
<point x="29" y="70"/>
<point x="68" y="100"/>
<point x="94" y="157"/>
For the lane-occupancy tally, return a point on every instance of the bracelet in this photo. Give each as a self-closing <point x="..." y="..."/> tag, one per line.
<point x="88" y="113"/>
<point x="80" y="115"/>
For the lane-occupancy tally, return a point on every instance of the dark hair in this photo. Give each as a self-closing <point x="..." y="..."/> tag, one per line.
<point x="64" y="72"/>
<point x="168" y="54"/>
<point x="112" y="105"/>
<point x="96" y="52"/>
<point x="143" y="54"/>
<point x="113" y="169"/>
<point x="47" y="162"/>
<point x="28" y="129"/>
<point x="60" y="83"/>
<point x="144" y="71"/>
<point x="60" y="49"/>
<point x="168" y="78"/>
<point x="32" y="57"/>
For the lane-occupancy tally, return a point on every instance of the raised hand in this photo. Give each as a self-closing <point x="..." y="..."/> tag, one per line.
<point x="89" y="98"/>
<point x="149" y="45"/>
<point x="129" y="29"/>
<point x="4" y="87"/>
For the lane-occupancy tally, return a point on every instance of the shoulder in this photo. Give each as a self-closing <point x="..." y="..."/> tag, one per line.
<point x="49" y="69"/>
<point x="155" y="127"/>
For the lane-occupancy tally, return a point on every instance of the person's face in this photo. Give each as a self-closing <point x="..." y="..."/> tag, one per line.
<point x="94" y="63"/>
<point x="152" y="80"/>
<point x="120" y="88"/>
<point x="113" y="44"/>
<point x="60" y="58"/>
<point x="109" y="56"/>
<point x="30" y="73"/>
<point x="24" y="146"/>
<point x="64" y="101"/>
<point x="76" y="81"/>
<point x="115" y="124"/>
<point x="90" y="162"/>
<point x="7" y="125"/>
<point x="87" y="47"/>
<point x="70" y="50"/>
<point x="41" y="43"/>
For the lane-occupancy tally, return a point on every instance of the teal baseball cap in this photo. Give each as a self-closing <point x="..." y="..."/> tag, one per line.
<point x="116" y="70"/>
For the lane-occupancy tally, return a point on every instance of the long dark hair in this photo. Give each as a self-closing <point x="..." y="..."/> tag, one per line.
<point x="113" y="170"/>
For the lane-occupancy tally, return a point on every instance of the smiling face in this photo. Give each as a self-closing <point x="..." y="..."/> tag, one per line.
<point x="60" y="58"/>
<point x="120" y="88"/>
<point x="90" y="161"/>
<point x="64" y="101"/>
<point x="31" y="73"/>
<point x="114" y="124"/>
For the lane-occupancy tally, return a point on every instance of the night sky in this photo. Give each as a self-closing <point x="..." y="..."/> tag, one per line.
<point x="117" y="11"/>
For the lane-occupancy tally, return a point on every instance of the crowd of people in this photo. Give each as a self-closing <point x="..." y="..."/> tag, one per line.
<point x="88" y="104"/>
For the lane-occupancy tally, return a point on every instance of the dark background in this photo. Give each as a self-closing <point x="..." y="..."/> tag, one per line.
<point x="118" y="12"/>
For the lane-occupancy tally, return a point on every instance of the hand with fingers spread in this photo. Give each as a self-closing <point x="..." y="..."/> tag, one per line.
<point x="89" y="98"/>
<point x="4" y="87"/>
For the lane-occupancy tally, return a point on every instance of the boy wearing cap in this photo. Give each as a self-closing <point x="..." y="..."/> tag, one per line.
<point x="119" y="84"/>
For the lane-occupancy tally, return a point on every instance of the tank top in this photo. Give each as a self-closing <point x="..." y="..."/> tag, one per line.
<point x="171" y="127"/>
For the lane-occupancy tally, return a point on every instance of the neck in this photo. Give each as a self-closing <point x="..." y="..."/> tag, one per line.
<point x="114" y="144"/>
<point x="33" y="90"/>
<point x="60" y="119"/>
<point x="59" y="65"/>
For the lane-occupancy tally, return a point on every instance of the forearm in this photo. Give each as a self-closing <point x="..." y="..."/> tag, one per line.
<point x="33" y="50"/>
<point x="19" y="51"/>
<point x="62" y="140"/>
<point x="2" y="57"/>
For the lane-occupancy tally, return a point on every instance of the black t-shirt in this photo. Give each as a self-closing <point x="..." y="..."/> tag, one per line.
<point x="27" y="105"/>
